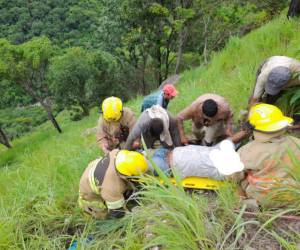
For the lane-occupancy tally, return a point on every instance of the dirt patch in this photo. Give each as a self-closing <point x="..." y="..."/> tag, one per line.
<point x="288" y="230"/>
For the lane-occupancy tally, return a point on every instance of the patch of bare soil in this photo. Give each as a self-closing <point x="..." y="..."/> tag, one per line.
<point x="288" y="230"/>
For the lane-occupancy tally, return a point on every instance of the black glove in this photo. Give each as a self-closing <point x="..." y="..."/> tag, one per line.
<point x="247" y="127"/>
<point x="115" y="213"/>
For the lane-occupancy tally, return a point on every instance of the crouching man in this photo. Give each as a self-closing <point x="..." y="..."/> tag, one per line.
<point x="211" y="118"/>
<point x="157" y="127"/>
<point x="270" y="157"/>
<point x="114" y="125"/>
<point x="104" y="183"/>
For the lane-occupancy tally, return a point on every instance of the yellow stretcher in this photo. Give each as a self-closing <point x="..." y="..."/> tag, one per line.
<point x="195" y="183"/>
<point x="200" y="183"/>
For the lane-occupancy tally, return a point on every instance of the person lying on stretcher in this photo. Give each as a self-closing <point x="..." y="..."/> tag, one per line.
<point x="215" y="162"/>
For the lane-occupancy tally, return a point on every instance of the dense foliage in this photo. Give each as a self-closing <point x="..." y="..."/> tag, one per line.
<point x="67" y="23"/>
<point x="17" y="121"/>
<point x="74" y="53"/>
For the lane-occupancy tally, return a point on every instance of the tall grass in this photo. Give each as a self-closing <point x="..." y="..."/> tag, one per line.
<point x="39" y="186"/>
<point x="39" y="176"/>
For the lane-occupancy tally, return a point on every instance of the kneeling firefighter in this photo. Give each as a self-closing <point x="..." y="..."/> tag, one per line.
<point x="105" y="182"/>
<point x="114" y="125"/>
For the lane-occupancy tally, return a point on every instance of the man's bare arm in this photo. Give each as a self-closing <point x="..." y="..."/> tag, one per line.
<point x="229" y="124"/>
<point x="252" y="101"/>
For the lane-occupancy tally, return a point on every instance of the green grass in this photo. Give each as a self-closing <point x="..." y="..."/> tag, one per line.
<point x="39" y="177"/>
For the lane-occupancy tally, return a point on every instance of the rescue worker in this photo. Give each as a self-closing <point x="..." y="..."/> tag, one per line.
<point x="275" y="75"/>
<point x="211" y="120"/>
<point x="114" y="125"/>
<point x="161" y="97"/>
<point x="270" y="156"/>
<point x="106" y="181"/>
<point x="157" y="127"/>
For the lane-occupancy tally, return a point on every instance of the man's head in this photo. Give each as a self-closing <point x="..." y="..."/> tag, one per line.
<point x="156" y="127"/>
<point x="209" y="110"/>
<point x="169" y="91"/>
<point x="112" y="108"/>
<point x="130" y="163"/>
<point x="267" y="118"/>
<point x="277" y="78"/>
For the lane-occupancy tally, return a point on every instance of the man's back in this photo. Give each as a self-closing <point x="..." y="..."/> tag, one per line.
<point x="267" y="164"/>
<point x="142" y="127"/>
<point x="273" y="153"/>
<point x="153" y="99"/>
<point x="194" y="111"/>
<point x="268" y="65"/>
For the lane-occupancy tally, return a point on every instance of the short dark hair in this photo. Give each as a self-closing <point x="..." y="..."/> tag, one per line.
<point x="156" y="127"/>
<point x="210" y="108"/>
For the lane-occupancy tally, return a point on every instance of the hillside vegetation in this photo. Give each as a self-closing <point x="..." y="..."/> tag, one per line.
<point x="72" y="54"/>
<point x="39" y="176"/>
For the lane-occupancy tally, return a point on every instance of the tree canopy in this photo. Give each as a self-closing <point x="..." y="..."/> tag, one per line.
<point x="74" y="53"/>
<point x="80" y="78"/>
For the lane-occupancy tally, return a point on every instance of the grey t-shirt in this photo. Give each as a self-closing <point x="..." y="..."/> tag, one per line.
<point x="194" y="160"/>
<point x="142" y="128"/>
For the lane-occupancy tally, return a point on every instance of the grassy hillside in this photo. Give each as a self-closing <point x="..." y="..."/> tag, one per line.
<point x="39" y="176"/>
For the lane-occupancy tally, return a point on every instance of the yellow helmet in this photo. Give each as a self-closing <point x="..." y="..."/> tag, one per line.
<point x="131" y="163"/>
<point x="112" y="108"/>
<point x="268" y="118"/>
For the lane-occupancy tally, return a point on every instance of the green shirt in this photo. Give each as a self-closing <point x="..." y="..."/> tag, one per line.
<point x="153" y="99"/>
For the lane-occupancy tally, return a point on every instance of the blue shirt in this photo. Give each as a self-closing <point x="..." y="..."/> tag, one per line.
<point x="153" y="99"/>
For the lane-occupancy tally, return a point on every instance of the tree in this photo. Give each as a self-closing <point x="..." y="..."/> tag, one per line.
<point x="80" y="78"/>
<point x="13" y="95"/>
<point x="159" y="36"/>
<point x="65" y="22"/>
<point x="294" y="9"/>
<point x="151" y="37"/>
<point x="186" y="14"/>
<point x="3" y="139"/>
<point x="26" y="65"/>
<point x="70" y="75"/>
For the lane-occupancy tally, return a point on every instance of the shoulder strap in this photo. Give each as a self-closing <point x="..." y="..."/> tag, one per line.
<point x="101" y="169"/>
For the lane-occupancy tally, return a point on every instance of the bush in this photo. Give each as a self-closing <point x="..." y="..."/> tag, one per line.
<point x="18" y="121"/>
<point x="76" y="113"/>
<point x="24" y="120"/>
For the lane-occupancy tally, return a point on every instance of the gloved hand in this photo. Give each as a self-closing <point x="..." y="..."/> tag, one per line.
<point x="247" y="127"/>
<point x="115" y="213"/>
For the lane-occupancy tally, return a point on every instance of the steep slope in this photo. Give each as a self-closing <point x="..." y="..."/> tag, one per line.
<point x="232" y="72"/>
<point x="39" y="177"/>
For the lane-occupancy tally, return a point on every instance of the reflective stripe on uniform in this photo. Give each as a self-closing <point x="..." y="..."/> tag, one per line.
<point x="92" y="179"/>
<point x="263" y="183"/>
<point x="115" y="204"/>
<point x="97" y="204"/>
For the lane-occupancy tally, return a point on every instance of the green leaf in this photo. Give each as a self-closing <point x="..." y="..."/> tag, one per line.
<point x="295" y="97"/>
